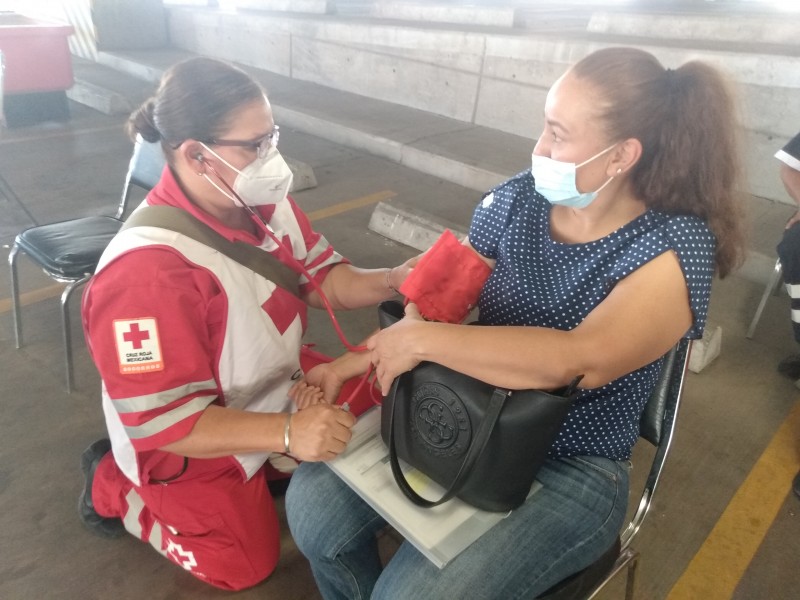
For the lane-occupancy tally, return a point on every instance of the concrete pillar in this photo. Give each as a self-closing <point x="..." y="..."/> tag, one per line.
<point x="75" y="12"/>
<point x="129" y="24"/>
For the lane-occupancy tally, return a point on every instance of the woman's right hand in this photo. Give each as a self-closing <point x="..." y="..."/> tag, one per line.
<point x="320" y="432"/>
<point x="392" y="349"/>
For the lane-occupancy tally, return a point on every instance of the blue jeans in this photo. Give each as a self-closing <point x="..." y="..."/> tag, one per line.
<point x="561" y="529"/>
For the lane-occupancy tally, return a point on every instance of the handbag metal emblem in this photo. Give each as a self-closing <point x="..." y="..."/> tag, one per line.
<point x="439" y="420"/>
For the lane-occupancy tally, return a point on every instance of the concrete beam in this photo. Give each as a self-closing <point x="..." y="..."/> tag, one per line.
<point x="739" y="28"/>
<point x="444" y="13"/>
<point x="319" y="7"/>
<point x="250" y="39"/>
<point x="419" y="84"/>
<point x="190" y="2"/>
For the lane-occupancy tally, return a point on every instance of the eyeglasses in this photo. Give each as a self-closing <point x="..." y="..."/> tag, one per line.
<point x="260" y="146"/>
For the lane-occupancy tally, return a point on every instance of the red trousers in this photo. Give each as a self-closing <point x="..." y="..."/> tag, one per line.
<point x="209" y="521"/>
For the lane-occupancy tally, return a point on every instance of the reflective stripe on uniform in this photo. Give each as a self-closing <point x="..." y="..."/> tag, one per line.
<point x="138" y="404"/>
<point x="131" y="521"/>
<point x="162" y="422"/>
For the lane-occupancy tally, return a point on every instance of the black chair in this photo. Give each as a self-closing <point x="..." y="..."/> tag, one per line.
<point x="657" y="427"/>
<point x="68" y="251"/>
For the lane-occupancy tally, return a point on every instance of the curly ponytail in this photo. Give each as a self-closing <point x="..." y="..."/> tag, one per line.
<point x="686" y="120"/>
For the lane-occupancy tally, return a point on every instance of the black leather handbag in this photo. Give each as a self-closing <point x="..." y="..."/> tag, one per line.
<point x="483" y="444"/>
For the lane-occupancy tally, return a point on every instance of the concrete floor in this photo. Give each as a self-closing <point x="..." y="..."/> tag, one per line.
<point x="731" y="414"/>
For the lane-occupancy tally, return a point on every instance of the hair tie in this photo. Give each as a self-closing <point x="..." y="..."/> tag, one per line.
<point x="148" y="113"/>
<point x="670" y="81"/>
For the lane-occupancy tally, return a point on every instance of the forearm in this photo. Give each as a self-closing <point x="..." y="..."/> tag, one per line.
<point x="349" y="287"/>
<point x="791" y="181"/>
<point x="351" y="364"/>
<point x="510" y="357"/>
<point x="225" y="431"/>
<point x="616" y="337"/>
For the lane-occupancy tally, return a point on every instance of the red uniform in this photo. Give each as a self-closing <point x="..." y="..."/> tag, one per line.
<point x="174" y="326"/>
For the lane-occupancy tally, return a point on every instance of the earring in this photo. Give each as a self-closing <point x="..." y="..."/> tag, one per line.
<point x="619" y="170"/>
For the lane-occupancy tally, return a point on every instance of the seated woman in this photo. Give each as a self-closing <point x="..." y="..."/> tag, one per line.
<point x="198" y="354"/>
<point x="603" y="255"/>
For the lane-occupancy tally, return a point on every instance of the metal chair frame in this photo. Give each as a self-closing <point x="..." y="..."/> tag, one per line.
<point x="143" y="172"/>
<point x="771" y="288"/>
<point x="664" y="402"/>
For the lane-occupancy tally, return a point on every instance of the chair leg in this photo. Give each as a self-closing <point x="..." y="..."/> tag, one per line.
<point x="777" y="272"/>
<point x="15" y="308"/>
<point x="67" y="331"/>
<point x="631" y="579"/>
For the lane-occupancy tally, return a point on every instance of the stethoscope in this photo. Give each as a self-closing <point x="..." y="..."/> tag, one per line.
<point x="299" y="267"/>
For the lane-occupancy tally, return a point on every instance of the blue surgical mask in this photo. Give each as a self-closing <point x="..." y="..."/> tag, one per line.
<point x="555" y="180"/>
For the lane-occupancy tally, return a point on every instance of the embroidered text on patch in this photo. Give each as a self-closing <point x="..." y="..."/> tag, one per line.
<point x="138" y="345"/>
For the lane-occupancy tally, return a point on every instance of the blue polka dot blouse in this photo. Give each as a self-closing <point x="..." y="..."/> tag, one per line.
<point x="538" y="281"/>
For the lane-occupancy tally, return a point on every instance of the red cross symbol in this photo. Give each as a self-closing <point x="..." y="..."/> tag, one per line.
<point x="135" y="337"/>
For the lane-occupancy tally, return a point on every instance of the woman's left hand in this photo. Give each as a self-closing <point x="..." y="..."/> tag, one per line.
<point x="392" y="349"/>
<point x="305" y="395"/>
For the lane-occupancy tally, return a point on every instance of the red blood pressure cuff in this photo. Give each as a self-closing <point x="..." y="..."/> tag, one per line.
<point x="447" y="280"/>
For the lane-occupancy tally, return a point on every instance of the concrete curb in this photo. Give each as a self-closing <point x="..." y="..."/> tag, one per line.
<point x="304" y="178"/>
<point x="99" y="98"/>
<point x="409" y="226"/>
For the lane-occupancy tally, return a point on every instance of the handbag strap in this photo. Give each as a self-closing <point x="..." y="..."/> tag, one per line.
<point x="476" y="448"/>
<point x="254" y="258"/>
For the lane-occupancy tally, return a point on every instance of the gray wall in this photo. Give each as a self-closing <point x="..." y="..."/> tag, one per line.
<point x="498" y="77"/>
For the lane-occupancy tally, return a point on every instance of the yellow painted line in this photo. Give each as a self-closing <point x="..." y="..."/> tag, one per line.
<point x="336" y="209"/>
<point x="38" y="295"/>
<point x="343" y="207"/>
<point x="716" y="569"/>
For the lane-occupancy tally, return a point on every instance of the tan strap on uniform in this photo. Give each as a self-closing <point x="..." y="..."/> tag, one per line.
<point x="254" y="258"/>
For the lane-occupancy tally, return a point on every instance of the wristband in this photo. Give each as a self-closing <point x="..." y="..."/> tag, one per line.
<point x="286" y="427"/>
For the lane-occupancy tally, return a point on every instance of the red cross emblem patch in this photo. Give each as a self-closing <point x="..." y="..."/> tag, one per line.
<point x="138" y="345"/>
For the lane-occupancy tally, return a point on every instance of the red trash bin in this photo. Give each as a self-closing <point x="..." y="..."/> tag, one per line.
<point x="38" y="68"/>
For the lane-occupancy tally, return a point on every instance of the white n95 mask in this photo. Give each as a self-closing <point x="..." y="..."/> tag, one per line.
<point x="266" y="180"/>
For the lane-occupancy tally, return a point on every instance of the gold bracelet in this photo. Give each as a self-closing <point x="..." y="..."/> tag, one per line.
<point x="286" y="428"/>
<point x="389" y="282"/>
